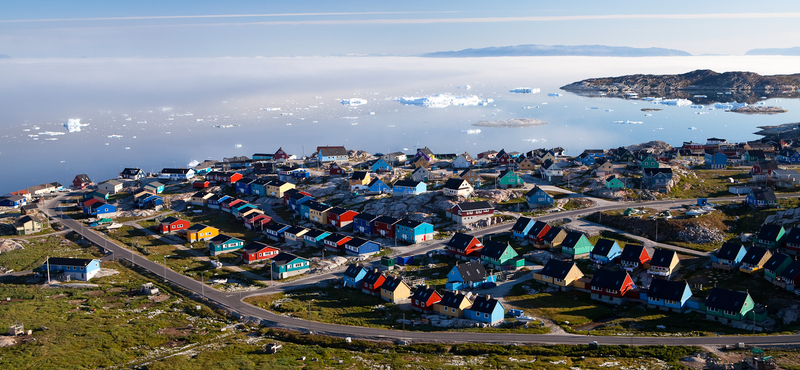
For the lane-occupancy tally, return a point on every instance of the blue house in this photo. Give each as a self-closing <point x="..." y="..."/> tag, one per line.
<point x="100" y="209"/>
<point x="759" y="197"/>
<point x="537" y="197"/>
<point x="14" y="201"/>
<point x="522" y="227"/>
<point x="381" y="165"/>
<point x="75" y="268"/>
<point x="353" y="275"/>
<point x="668" y="294"/>
<point x="729" y="256"/>
<point x="715" y="160"/>
<point x="263" y="156"/>
<point x="305" y="208"/>
<point x="468" y="275"/>
<point x="378" y="186"/>
<point x="789" y="156"/>
<point x="259" y="186"/>
<point x="296" y="199"/>
<point x="361" y="247"/>
<point x="485" y="309"/>
<point x="151" y="201"/>
<point x="215" y="202"/>
<point x="605" y="251"/>
<point x="408" y="187"/>
<point x="314" y="237"/>
<point x="363" y="223"/>
<point x="275" y="230"/>
<point x="244" y="186"/>
<point x="413" y="231"/>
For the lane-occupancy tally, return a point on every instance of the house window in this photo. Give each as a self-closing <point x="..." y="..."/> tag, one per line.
<point x="712" y="309"/>
<point x="486" y="315"/>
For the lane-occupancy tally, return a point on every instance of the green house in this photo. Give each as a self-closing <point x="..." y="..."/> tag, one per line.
<point x="775" y="265"/>
<point x="725" y="305"/>
<point x="648" y="162"/>
<point x="576" y="245"/>
<point x="500" y="256"/>
<point x="769" y="236"/>
<point x="509" y="179"/>
<point x="613" y="182"/>
<point x="224" y="244"/>
<point x="285" y="265"/>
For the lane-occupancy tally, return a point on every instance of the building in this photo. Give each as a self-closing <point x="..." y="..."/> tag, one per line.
<point x="789" y="279"/>
<point x="775" y="266"/>
<point x="468" y="275"/>
<point x="664" y="263"/>
<point x="605" y="251"/>
<point x="395" y="158"/>
<point x="469" y="212"/>
<point x="154" y="187"/>
<point x="372" y="281"/>
<point x="198" y="232"/>
<point x="668" y="295"/>
<point x="457" y="187"/>
<point x="464" y="246"/>
<point x="755" y="259"/>
<point x="727" y="306"/>
<point x="294" y="234"/>
<point x="275" y="231"/>
<point x="315" y="237"/>
<point x="81" y="181"/>
<point x="27" y="225"/>
<point x="411" y="231"/>
<point x="359" y="180"/>
<point x="728" y="257"/>
<point x="335" y="242"/>
<point x="770" y="236"/>
<point x="421" y="173"/>
<point x="176" y="174"/>
<point x="381" y="166"/>
<point x="554" y="237"/>
<point x="276" y="188"/>
<point x="761" y="198"/>
<point x="522" y="227"/>
<point x="384" y="226"/>
<point x="501" y="256"/>
<point x="509" y="179"/>
<point x="576" y="245"/>
<point x="256" y="252"/>
<point x="634" y="256"/>
<point x="135" y="173"/>
<point x="224" y="244"/>
<point x="317" y="212"/>
<point x="353" y="276"/>
<point x="538" y="231"/>
<point x="403" y="188"/>
<point x="73" y="268"/>
<point x="172" y="224"/>
<point x="340" y="218"/>
<point x="377" y="186"/>
<point x="424" y="298"/>
<point x="331" y="154"/>
<point x="111" y="186"/>
<point x="395" y="290"/>
<point x="363" y="223"/>
<point x="286" y="265"/>
<point x="485" y="309"/>
<point x="452" y="304"/>
<point x="559" y="273"/>
<point x="610" y="286"/>
<point x="472" y="177"/>
<point x="361" y="247"/>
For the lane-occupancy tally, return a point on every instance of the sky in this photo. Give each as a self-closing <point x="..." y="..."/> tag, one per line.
<point x="180" y="28"/>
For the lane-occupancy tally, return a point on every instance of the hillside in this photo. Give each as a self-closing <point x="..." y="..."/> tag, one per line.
<point x="557" y="50"/>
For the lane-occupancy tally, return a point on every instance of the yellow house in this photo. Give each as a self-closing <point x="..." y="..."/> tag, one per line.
<point x="422" y="162"/>
<point x="452" y="304"/>
<point x="276" y="188"/>
<point x="360" y="179"/>
<point x="559" y="273"/>
<point x="318" y="212"/>
<point x="394" y="289"/>
<point x="201" y="198"/>
<point x="547" y="157"/>
<point x="527" y="165"/>
<point x="605" y="167"/>
<point x="199" y="232"/>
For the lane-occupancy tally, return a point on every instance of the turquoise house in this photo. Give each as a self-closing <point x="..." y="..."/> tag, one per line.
<point x="576" y="245"/>
<point x="613" y="182"/>
<point x="725" y="305"/>
<point x="413" y="231"/>
<point x="381" y="165"/>
<point x="509" y="179"/>
<point x="224" y="244"/>
<point x="649" y="162"/>
<point x="668" y="295"/>
<point x="353" y="275"/>
<point x="485" y="309"/>
<point x="314" y="237"/>
<point x="500" y="256"/>
<point x="285" y="265"/>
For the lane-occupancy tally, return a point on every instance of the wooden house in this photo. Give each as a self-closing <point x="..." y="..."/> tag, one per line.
<point x="610" y="286"/>
<point x="558" y="273"/>
<point x="464" y="246"/>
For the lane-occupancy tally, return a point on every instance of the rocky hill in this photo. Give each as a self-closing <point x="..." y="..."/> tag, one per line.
<point x="557" y="50"/>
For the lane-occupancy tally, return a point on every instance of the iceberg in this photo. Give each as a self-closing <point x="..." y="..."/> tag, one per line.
<point x="676" y="102"/>
<point x="52" y="133"/>
<point x="353" y="102"/>
<point x="444" y="100"/>
<point x="74" y="125"/>
<point x="729" y="106"/>
<point x="193" y="163"/>
<point x="524" y="90"/>
<point x="270" y="109"/>
<point x="555" y="94"/>
<point x="471" y="132"/>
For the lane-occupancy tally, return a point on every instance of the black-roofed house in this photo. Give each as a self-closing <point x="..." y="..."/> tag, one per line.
<point x="634" y="256"/>
<point x="538" y="231"/>
<point x="728" y="257"/>
<point x="424" y="298"/>
<point x="755" y="259"/>
<point x="791" y="241"/>
<point x="286" y="265"/>
<point x="664" y="263"/>
<point x="761" y="198"/>
<point x="775" y="266"/>
<point x="132" y="173"/>
<point x="501" y="256"/>
<point x="27" y="225"/>
<point x="353" y="275"/>
<point x="576" y="245"/>
<point x="553" y="239"/>
<point x="453" y="304"/>
<point x="536" y="197"/>
<point x="457" y="187"/>
<point x="464" y="246"/>
<point x="485" y="309"/>
<point x="770" y="236"/>
<point x="728" y="306"/>
<point x="394" y="289"/>
<point x="605" y="251"/>
<point x="668" y="295"/>
<point x="331" y="154"/>
<point x="789" y="279"/>
<point x="610" y="286"/>
<point x="468" y="275"/>
<point x="522" y="227"/>
<point x="561" y="274"/>
<point x="470" y="212"/>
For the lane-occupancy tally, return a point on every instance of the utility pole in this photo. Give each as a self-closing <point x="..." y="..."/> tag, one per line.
<point x="165" y="268"/>
<point x="203" y="286"/>
<point x="48" y="270"/>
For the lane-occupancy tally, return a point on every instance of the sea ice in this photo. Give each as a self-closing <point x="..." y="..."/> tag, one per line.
<point x="555" y="94"/>
<point x="524" y="90"/>
<point x="465" y="87"/>
<point x="444" y="100"/>
<point x="270" y="109"/>
<point x="729" y="106"/>
<point x="74" y="125"/>
<point x="353" y="102"/>
<point x="676" y="102"/>
<point x="471" y="132"/>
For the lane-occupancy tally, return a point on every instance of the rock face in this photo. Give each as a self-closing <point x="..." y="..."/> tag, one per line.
<point x="787" y="218"/>
<point x="425" y="204"/>
<point x="7" y="245"/>
<point x="700" y="235"/>
<point x="656" y="145"/>
<point x="499" y="195"/>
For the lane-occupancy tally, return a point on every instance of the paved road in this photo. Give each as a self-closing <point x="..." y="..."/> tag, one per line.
<point x="233" y="302"/>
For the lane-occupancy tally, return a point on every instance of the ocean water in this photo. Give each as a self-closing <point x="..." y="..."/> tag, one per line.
<point x="155" y="113"/>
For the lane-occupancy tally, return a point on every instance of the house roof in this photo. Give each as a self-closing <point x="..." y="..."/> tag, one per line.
<point x="667" y="289"/>
<point x="284" y="258"/>
<point x="755" y="255"/>
<point x="328" y="151"/>
<point x="358" y="175"/>
<point x="295" y="230"/>
<point x="493" y="249"/>
<point x="131" y="171"/>
<point x="170" y="220"/>
<point x="603" y="247"/>
<point x="468" y="170"/>
<point x="198" y="227"/>
<point x="315" y="233"/>
<point x="608" y="279"/>
<point x="557" y="269"/>
<point x="337" y="211"/>
<point x="365" y="217"/>
<point x="471" y="272"/>
<point x="372" y="276"/>
<point x="472" y="206"/>
<point x="179" y="171"/>
<point x="484" y="304"/>
<point x="222" y="238"/>
<point x="154" y="184"/>
<point x="375" y="181"/>
<point x="336" y="238"/>
<point x="407" y="183"/>
<point x="409" y="223"/>
<point x="276" y="226"/>
<point x="729" y="251"/>
<point x="353" y="270"/>
<point x="767" y="195"/>
<point x="25" y="219"/>
<point x="255" y="247"/>
<point x="521" y="224"/>
<point x="83" y="178"/>
<point x="387" y="220"/>
<point x="632" y="252"/>
<point x="14" y="198"/>
<point x="29" y="207"/>
<point x="358" y="242"/>
<point x="770" y="232"/>
<point x="503" y="173"/>
<point x="663" y="257"/>
<point x="537" y="228"/>
<point x="726" y="300"/>
<point x="656" y="171"/>
<point x="454" y="183"/>
<point x="453" y="299"/>
<point x="58" y="261"/>
<point x="424" y="294"/>
<point x="460" y="241"/>
<point x="533" y="191"/>
<point x="571" y="239"/>
<point x="552" y="233"/>
<point x="776" y="261"/>
<point x="316" y="206"/>
<point x="392" y="282"/>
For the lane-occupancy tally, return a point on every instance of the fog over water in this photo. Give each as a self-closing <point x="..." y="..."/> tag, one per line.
<point x="138" y="110"/>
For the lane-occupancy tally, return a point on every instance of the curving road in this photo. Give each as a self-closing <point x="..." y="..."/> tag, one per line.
<point x="233" y="301"/>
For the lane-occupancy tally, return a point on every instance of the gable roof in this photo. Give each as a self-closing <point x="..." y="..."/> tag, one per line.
<point x="222" y="238"/>
<point x="468" y="170"/>
<point x="504" y="173"/>
<point x="453" y="299"/>
<point x="767" y="195"/>
<point x="557" y="269"/>
<point x="358" y="175"/>
<point x="409" y="223"/>
<point x="315" y="233"/>
<point x="284" y="258"/>
<point x="534" y="190"/>
<point x="353" y="270"/>
<point x="328" y="151"/>
<point x="603" y="247"/>
<point x="484" y="304"/>
<point x="632" y="252"/>
<point x="387" y="220"/>
<point x="372" y="276"/>
<point x="537" y="228"/>
<point x="571" y="239"/>
<point x="663" y="257"/>
<point x="460" y="241"/>
<point x="59" y="261"/>
<point x="407" y="183"/>
<point x="667" y="289"/>
<point x="769" y="232"/>
<point x="493" y="249"/>
<point x="472" y="206"/>
<point x="424" y="294"/>
<point x="170" y="220"/>
<point x="726" y="300"/>
<point x="336" y="238"/>
<point x="552" y="233"/>
<point x="729" y="251"/>
<point x="776" y="261"/>
<point x="365" y="217"/>
<point x="754" y="255"/>
<point x="607" y="279"/>
<point x="294" y="230"/>
<point x="471" y="272"/>
<point x="454" y="183"/>
<point x="254" y="247"/>
<point x="521" y="224"/>
<point x="392" y="282"/>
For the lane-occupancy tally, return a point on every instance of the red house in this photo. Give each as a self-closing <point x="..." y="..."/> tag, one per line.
<point x="424" y="298"/>
<point x="256" y="221"/>
<point x="464" y="246"/>
<point x="372" y="281"/>
<point x="503" y="158"/>
<point x="335" y="170"/>
<point x="280" y="155"/>
<point x="201" y="184"/>
<point x="172" y="224"/>
<point x="335" y="242"/>
<point x="634" y="256"/>
<point x="287" y="194"/>
<point x="384" y="226"/>
<point x="258" y="252"/>
<point x="538" y="231"/>
<point x="81" y="181"/>
<point x="227" y="206"/>
<point x="89" y="202"/>
<point x="763" y="168"/>
<point x="340" y="217"/>
<point x="610" y="286"/>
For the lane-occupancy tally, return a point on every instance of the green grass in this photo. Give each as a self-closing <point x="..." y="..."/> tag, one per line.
<point x="708" y="184"/>
<point x="38" y="249"/>
<point x="225" y="222"/>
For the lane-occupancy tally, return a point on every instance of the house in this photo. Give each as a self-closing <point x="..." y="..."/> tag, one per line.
<point x="13" y="201"/>
<point x="101" y="210"/>
<point x="526" y="164"/>
<point x="413" y="231"/>
<point x="605" y="251"/>
<point x="468" y="212"/>
<point x="359" y="180"/>
<point x="576" y="245"/>
<point x="154" y="187"/>
<point x="223" y="244"/>
<point x="728" y="257"/>
<point x="775" y="266"/>
<point x="403" y="188"/>
<point x="603" y="167"/>
<point x="424" y="298"/>
<point x="223" y="177"/>
<point x="295" y="200"/>
<point x="421" y="174"/>
<point x="395" y="158"/>
<point x="791" y="241"/>
<point x="452" y="304"/>
<point x="372" y="281"/>
<point x="614" y="182"/>
<point x="715" y="160"/>
<point x="649" y="162"/>
<point x="246" y="209"/>
<point x="485" y="309"/>
<point x="275" y="230"/>
<point x="276" y="188"/>
<point x="664" y="263"/>
<point x="262" y="156"/>
<point x="314" y="237"/>
<point x="294" y="234"/>
<point x="509" y="179"/>
<point x="755" y="259"/>
<point x="353" y="276"/>
<point x="381" y="166"/>
<point x="727" y="306"/>
<point x="215" y="202"/>
<point x="200" y="198"/>
<point x="172" y="224"/>
<point x="335" y="170"/>
<point x="457" y="187"/>
<point x="554" y="237"/>
<point x="317" y="212"/>
<point x="81" y="181"/>
<point x="634" y="256"/>
<point x="472" y="177"/>
<point x="280" y="155"/>
<point x="73" y="268"/>
<point x="361" y="247"/>
<point x="784" y="178"/>
<point x="286" y="265"/>
<point x="394" y="289"/>
<point x="536" y="197"/>
<point x="464" y="246"/>
<point x="760" y="198"/>
<point x="502" y="158"/>
<point x="29" y="209"/>
<point x="522" y="227"/>
<point x="363" y="223"/>
<point x="610" y="286"/>
<point x="424" y="153"/>
<point x="256" y="252"/>
<point x="27" y="225"/>
<point x="111" y="186"/>
<point x="463" y="161"/>
<point x="243" y="186"/>
<point x="468" y="275"/>
<point x="558" y="273"/>
<point x="198" y="232"/>
<point x="259" y="186"/>
<point x="100" y="195"/>
<point x="770" y="236"/>
<point x="668" y="295"/>
<point x="135" y="173"/>
<point x="340" y="217"/>
<point x="762" y="170"/>
<point x="660" y="179"/>
<point x="501" y="256"/>
<point x="384" y="226"/>
<point x="538" y="231"/>
<point x="331" y="154"/>
<point x="231" y="205"/>
<point x="377" y="186"/>
<point x="204" y="167"/>
<point x="789" y="279"/>
<point x="335" y="242"/>
<point x="176" y="174"/>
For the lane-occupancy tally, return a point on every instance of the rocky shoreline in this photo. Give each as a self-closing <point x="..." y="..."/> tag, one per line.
<point x="759" y="109"/>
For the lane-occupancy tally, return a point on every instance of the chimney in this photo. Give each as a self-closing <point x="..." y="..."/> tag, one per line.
<point x="488" y="297"/>
<point x="374" y="269"/>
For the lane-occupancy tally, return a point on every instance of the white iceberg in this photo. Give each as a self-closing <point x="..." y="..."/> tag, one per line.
<point x="444" y="100"/>
<point x="524" y="90"/>
<point x="471" y="132"/>
<point x="270" y="109"/>
<point x="729" y="106"/>
<point x="353" y="102"/>
<point x="676" y="102"/>
<point x="52" y="133"/>
<point x="193" y="163"/>
<point x="555" y="94"/>
<point x="74" y="125"/>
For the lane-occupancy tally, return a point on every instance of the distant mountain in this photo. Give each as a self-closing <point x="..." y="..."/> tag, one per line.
<point x="558" y="50"/>
<point x="775" y="51"/>
<point x="4" y="56"/>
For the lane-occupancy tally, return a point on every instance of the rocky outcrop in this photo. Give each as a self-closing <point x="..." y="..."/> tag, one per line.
<point x="701" y="235"/>
<point x="425" y="205"/>
<point x="787" y="218"/>
<point x="654" y="146"/>
<point x="499" y="195"/>
<point x="759" y="109"/>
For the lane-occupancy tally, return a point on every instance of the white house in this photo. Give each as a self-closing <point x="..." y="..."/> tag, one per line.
<point x="111" y="186"/>
<point x="457" y="187"/>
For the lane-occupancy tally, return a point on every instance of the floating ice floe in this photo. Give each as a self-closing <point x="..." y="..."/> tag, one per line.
<point x="555" y="94"/>
<point x="530" y="107"/>
<point x="471" y="132"/>
<point x="354" y="123"/>
<point x="675" y="102"/>
<point x="444" y="100"/>
<point x="525" y="90"/>
<point x="238" y="145"/>
<point x="609" y="110"/>
<point x="648" y="114"/>
<point x="270" y="109"/>
<point x="700" y="112"/>
<point x="349" y="117"/>
<point x="692" y="128"/>
<point x="371" y="113"/>
<point x="74" y="125"/>
<point x="627" y="122"/>
<point x="146" y="121"/>
<point x="52" y="139"/>
<point x="594" y="108"/>
<point x="353" y="102"/>
<point x="700" y="96"/>
<point x="287" y="114"/>
<point x="52" y="133"/>
<point x="729" y="106"/>
<point x="535" y="140"/>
